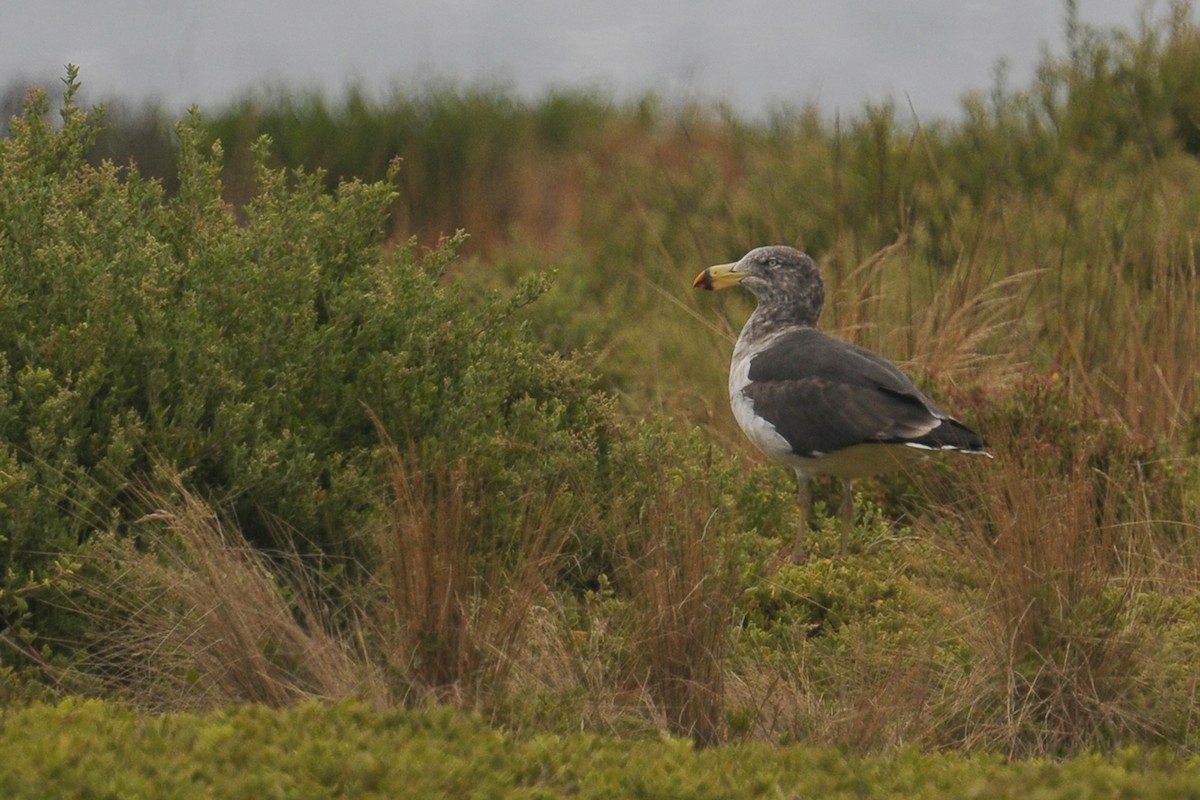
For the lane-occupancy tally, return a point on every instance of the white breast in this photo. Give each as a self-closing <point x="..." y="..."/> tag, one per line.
<point x="758" y="430"/>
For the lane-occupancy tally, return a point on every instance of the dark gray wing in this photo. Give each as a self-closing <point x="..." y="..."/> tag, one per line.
<point x="823" y="395"/>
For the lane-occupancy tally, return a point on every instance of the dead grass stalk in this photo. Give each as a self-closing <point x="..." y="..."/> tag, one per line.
<point x="455" y="605"/>
<point x="682" y="602"/>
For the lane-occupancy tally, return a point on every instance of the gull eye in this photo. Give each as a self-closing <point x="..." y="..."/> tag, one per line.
<point x="772" y="262"/>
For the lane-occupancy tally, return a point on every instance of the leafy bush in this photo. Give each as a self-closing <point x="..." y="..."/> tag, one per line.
<point x="244" y="350"/>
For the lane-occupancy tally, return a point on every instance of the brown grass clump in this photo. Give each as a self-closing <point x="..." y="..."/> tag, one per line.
<point x="453" y="610"/>
<point x="207" y="620"/>
<point x="681" y="599"/>
<point x="203" y="619"/>
<point x="1062" y="657"/>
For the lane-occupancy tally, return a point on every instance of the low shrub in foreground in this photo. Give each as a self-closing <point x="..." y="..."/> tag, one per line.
<point x="81" y="748"/>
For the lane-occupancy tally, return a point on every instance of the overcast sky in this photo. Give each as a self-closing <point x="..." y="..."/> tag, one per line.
<point x="753" y="54"/>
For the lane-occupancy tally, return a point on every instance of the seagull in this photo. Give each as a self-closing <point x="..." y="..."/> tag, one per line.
<point x="817" y="404"/>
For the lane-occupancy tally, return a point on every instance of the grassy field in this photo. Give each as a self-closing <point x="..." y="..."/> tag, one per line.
<point x="401" y="414"/>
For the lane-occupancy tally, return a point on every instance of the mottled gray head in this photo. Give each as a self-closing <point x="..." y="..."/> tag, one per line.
<point x="786" y="282"/>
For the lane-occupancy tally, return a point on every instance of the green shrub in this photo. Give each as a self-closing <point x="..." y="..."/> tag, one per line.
<point x="244" y="349"/>
<point x="94" y="749"/>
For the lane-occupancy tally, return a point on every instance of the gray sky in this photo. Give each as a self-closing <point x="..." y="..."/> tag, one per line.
<point x="754" y="54"/>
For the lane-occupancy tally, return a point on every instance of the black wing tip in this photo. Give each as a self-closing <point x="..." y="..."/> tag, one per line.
<point x="951" y="435"/>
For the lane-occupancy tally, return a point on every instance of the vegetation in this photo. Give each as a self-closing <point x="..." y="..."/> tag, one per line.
<point x="274" y="430"/>
<point x="89" y="748"/>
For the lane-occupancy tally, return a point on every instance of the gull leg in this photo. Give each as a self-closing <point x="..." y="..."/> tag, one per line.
<point x="846" y="511"/>
<point x="804" y="500"/>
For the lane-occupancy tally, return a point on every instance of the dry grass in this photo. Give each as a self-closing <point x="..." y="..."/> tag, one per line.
<point x="202" y="619"/>
<point x="423" y="551"/>
<point x="879" y="696"/>
<point x="682" y="598"/>
<point x="1153" y="380"/>
<point x="207" y="620"/>
<point x="960" y="332"/>
<point x="454" y="610"/>
<point x="1062" y="660"/>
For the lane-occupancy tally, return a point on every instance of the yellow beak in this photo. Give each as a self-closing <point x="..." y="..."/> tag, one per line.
<point x="721" y="276"/>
